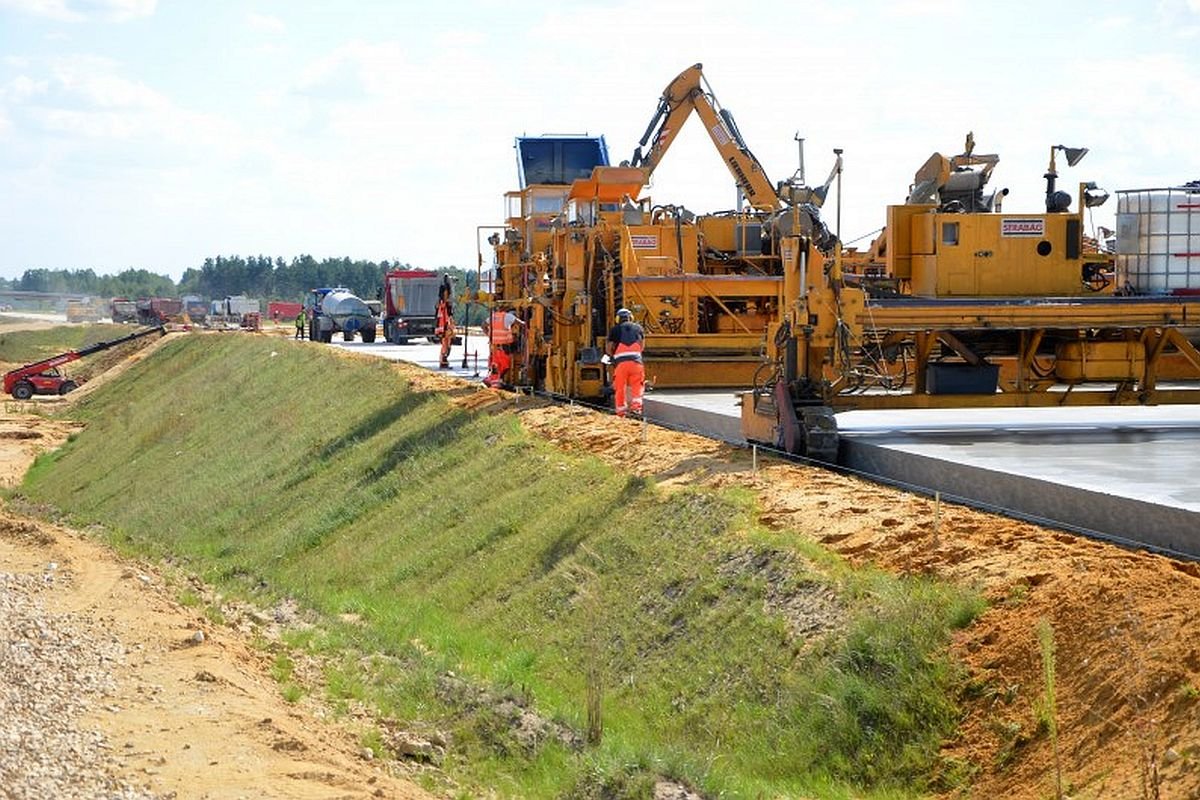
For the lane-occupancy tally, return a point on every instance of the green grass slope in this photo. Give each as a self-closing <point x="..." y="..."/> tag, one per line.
<point x="23" y="347"/>
<point x="499" y="581"/>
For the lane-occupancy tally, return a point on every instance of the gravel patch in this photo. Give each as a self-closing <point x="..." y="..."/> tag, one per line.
<point x="52" y="671"/>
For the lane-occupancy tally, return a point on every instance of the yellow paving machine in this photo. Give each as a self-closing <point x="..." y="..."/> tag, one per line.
<point x="957" y="303"/>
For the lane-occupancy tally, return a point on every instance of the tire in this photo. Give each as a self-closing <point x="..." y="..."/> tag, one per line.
<point x="401" y="340"/>
<point x="368" y="335"/>
<point x="327" y="336"/>
<point x="67" y="386"/>
<point x="347" y="336"/>
<point x="23" y="390"/>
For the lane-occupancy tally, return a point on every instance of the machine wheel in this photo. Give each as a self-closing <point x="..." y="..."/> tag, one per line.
<point x="327" y="336"/>
<point x="368" y="335"/>
<point x="67" y="386"/>
<point x="401" y="340"/>
<point x="347" y="336"/>
<point x="23" y="390"/>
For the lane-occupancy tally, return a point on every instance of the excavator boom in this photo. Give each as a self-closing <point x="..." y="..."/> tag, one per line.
<point x="689" y="92"/>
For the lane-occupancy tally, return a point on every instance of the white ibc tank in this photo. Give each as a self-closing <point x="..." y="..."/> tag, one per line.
<point x="1158" y="239"/>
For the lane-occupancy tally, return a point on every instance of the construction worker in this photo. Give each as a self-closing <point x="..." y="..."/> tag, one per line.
<point x="623" y="350"/>
<point x="301" y="322"/>
<point x="501" y="334"/>
<point x="444" y="325"/>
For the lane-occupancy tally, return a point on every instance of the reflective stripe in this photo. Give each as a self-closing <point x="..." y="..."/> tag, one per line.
<point x="501" y="334"/>
<point x="627" y="352"/>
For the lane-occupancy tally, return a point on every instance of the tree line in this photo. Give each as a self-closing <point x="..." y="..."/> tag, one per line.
<point x="259" y="276"/>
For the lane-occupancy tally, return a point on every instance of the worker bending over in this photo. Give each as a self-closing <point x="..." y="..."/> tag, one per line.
<point x="444" y="324"/>
<point x="500" y="328"/>
<point x="626" y="341"/>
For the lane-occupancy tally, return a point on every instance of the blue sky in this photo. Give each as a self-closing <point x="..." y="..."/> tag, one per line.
<point x="154" y="133"/>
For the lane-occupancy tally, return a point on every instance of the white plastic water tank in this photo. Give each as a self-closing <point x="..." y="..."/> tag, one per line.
<point x="1158" y="239"/>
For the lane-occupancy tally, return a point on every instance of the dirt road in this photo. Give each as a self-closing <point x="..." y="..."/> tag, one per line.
<point x="148" y="697"/>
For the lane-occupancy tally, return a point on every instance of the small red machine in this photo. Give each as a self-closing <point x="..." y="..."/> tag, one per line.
<point x="43" y="377"/>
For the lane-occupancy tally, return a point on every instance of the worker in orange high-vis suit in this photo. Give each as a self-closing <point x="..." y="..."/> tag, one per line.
<point x="626" y="341"/>
<point x="501" y="337"/>
<point x="444" y="322"/>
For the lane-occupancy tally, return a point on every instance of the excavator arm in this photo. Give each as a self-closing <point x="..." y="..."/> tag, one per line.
<point x="690" y="92"/>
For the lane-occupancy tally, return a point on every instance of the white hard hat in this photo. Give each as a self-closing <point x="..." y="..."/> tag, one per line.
<point x="624" y="313"/>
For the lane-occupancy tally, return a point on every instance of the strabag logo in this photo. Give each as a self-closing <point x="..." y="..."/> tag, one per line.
<point x="643" y="241"/>
<point x="1022" y="227"/>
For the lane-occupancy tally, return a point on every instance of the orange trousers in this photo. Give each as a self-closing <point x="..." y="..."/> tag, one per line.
<point x="447" y="340"/>
<point x="629" y="375"/>
<point x="500" y="362"/>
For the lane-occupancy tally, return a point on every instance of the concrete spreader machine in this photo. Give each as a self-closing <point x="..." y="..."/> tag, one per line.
<point x="957" y="304"/>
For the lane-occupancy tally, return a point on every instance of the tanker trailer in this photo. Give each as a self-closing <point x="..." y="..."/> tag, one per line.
<point x="339" y="309"/>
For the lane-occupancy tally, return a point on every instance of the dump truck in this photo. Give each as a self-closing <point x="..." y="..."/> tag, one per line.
<point x="44" y="377"/>
<point x="85" y="310"/>
<point x="410" y="298"/>
<point x="195" y="309"/>
<point x="123" y="310"/>
<point x="235" y="311"/>
<point x="158" y="310"/>
<point x="337" y="309"/>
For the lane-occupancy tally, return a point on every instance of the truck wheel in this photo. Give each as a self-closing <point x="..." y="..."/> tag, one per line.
<point x="68" y="386"/>
<point x="327" y="336"/>
<point x="23" y="390"/>
<point x="368" y="335"/>
<point x="347" y="336"/>
<point x="401" y="340"/>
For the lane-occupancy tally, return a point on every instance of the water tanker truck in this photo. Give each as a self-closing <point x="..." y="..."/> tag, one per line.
<point x="338" y="309"/>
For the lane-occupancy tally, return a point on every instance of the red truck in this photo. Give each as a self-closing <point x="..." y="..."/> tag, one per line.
<point x="158" y="310"/>
<point x="278" y="309"/>
<point x="410" y="298"/>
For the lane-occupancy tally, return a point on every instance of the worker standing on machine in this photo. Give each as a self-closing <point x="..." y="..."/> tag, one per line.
<point x="624" y="348"/>
<point x="501" y="336"/>
<point x="444" y="325"/>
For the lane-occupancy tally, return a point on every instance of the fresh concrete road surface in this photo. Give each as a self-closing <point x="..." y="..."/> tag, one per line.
<point x="1128" y="472"/>
<point x="427" y="354"/>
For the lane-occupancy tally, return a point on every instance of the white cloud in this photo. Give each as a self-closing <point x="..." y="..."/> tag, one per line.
<point x="115" y="92"/>
<point x="81" y="10"/>
<point x="924" y="8"/>
<point x="21" y="89"/>
<point x="264" y="23"/>
<point x="53" y="9"/>
<point x="116" y="10"/>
